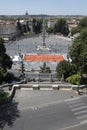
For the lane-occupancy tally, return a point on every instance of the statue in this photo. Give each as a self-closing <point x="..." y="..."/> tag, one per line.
<point x="45" y="69"/>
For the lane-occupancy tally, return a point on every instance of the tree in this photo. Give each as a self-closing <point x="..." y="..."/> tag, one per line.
<point x="24" y="28"/>
<point x="65" y="69"/>
<point x="82" y="25"/>
<point x="75" y="30"/>
<point x="5" y="60"/>
<point x="74" y="79"/>
<point x="61" y="27"/>
<point x="37" y="26"/>
<point x="1" y="75"/>
<point x="27" y="26"/>
<point x="8" y="77"/>
<point x="78" y="51"/>
<point x="49" y="30"/>
<point x="19" y="28"/>
<point x="2" y="47"/>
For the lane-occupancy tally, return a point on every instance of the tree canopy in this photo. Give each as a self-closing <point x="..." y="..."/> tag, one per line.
<point x="78" y="51"/>
<point x="65" y="69"/>
<point x="61" y="27"/>
<point x="82" y="25"/>
<point x="37" y="26"/>
<point x="78" y="64"/>
<point x="5" y="61"/>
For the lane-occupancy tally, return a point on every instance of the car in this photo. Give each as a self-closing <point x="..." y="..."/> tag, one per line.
<point x="83" y="86"/>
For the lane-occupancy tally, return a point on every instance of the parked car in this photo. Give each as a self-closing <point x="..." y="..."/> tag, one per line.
<point x="83" y="86"/>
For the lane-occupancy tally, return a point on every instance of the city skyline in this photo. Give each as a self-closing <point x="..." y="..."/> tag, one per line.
<point x="48" y="7"/>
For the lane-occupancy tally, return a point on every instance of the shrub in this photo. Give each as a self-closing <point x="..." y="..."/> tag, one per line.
<point x="66" y="69"/>
<point x="8" y="77"/>
<point x="74" y="79"/>
<point x="4" y="97"/>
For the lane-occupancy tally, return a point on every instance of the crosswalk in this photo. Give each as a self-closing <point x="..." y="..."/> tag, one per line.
<point x="79" y="109"/>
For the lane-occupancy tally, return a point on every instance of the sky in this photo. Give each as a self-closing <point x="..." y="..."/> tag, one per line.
<point x="49" y="7"/>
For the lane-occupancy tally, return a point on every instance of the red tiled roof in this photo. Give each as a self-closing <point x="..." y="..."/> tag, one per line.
<point x="43" y="58"/>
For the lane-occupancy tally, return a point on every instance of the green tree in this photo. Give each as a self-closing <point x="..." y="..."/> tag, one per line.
<point x="27" y="26"/>
<point x="37" y="26"/>
<point x="8" y="77"/>
<point x="78" y="51"/>
<point x="1" y="74"/>
<point x="75" y="30"/>
<point x="65" y="69"/>
<point x="82" y="25"/>
<point x="2" y="47"/>
<point x="61" y="27"/>
<point x="19" y="28"/>
<point x="49" y="30"/>
<point x="74" y="79"/>
<point x="5" y="61"/>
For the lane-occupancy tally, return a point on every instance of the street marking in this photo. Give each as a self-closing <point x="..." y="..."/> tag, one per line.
<point x="72" y="99"/>
<point x="77" y="105"/>
<point x="79" y="108"/>
<point x="34" y="108"/>
<point x="80" y="112"/>
<point x="76" y="99"/>
<point x="72" y="126"/>
<point x="73" y="102"/>
<point x="82" y="116"/>
<point x="83" y="122"/>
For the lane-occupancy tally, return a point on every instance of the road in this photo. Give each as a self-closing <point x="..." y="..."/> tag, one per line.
<point x="45" y="110"/>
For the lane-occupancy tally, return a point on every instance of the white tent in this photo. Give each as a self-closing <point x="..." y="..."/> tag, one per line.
<point x="16" y="58"/>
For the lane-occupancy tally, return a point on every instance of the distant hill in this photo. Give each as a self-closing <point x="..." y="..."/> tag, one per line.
<point x="40" y="16"/>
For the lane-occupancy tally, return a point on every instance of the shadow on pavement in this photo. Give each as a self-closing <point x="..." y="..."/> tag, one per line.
<point x="8" y="114"/>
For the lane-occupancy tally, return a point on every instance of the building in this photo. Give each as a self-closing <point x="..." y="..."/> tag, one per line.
<point x="72" y="23"/>
<point x="51" y="23"/>
<point x="8" y="30"/>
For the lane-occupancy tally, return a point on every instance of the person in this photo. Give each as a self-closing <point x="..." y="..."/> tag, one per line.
<point x="34" y="79"/>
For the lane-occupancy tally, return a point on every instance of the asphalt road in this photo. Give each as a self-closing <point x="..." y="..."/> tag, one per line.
<point x="45" y="110"/>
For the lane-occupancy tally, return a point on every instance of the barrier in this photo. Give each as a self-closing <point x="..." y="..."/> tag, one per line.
<point x="74" y="87"/>
<point x="65" y="87"/>
<point x="55" y="87"/>
<point x="45" y="87"/>
<point x="35" y="87"/>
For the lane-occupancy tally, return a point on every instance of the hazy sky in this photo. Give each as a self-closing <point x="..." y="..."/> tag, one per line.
<point x="54" y="7"/>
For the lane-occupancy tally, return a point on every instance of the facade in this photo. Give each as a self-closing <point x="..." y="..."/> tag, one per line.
<point x="30" y="26"/>
<point x="51" y="23"/>
<point x="8" y="30"/>
<point x="72" y="23"/>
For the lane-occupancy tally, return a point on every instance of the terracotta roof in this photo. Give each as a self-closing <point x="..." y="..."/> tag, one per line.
<point x="43" y="58"/>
